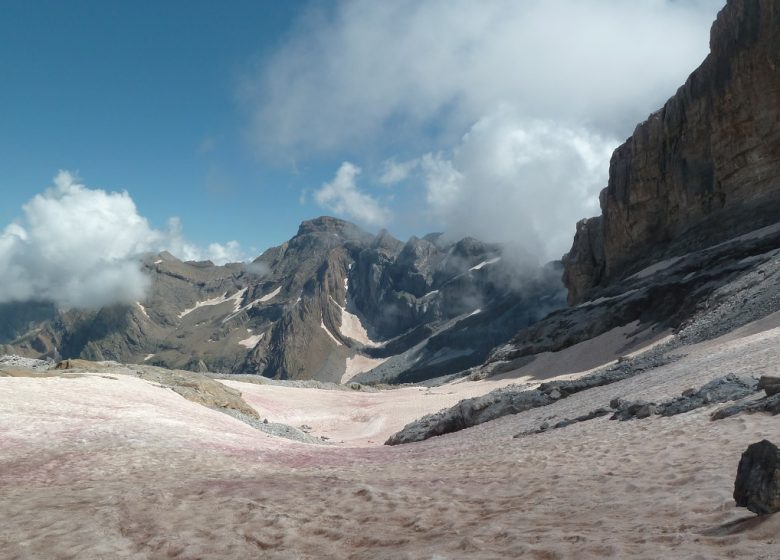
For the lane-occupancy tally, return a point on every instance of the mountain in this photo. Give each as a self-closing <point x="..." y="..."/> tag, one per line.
<point x="690" y="215"/>
<point x="703" y="169"/>
<point x="334" y="303"/>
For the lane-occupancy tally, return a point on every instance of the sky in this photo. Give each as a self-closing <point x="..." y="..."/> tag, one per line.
<point x="213" y="129"/>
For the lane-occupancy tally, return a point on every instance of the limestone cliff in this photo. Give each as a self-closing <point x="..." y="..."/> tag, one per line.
<point x="704" y="168"/>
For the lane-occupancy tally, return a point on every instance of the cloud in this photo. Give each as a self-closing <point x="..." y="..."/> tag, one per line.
<point x="518" y="181"/>
<point x="408" y="69"/>
<point x="174" y="241"/>
<point x="343" y="197"/>
<point x="395" y="172"/>
<point x="501" y="111"/>
<point x="81" y="247"/>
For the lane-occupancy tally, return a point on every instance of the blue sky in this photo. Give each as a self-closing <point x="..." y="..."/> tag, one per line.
<point x="242" y="118"/>
<point x="141" y="96"/>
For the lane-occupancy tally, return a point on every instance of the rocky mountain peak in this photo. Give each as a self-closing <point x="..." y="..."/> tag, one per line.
<point x="329" y="225"/>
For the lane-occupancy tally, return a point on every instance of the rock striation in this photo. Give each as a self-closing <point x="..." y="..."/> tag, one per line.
<point x="702" y="169"/>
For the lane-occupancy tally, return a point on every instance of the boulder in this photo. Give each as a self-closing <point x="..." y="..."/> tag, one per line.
<point x="771" y="385"/>
<point x="634" y="409"/>
<point x="757" y="486"/>
<point x="78" y="364"/>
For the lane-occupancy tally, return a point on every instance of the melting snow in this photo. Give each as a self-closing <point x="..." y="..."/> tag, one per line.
<point x="252" y="341"/>
<point x="148" y="357"/>
<point x="330" y="334"/>
<point x="143" y="309"/>
<point x="250" y="305"/>
<point x="352" y="327"/>
<point x="235" y="298"/>
<point x="270" y="296"/>
<point x="358" y="364"/>
<point x="485" y="263"/>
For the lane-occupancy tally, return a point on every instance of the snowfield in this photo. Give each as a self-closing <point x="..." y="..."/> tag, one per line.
<point x="106" y="465"/>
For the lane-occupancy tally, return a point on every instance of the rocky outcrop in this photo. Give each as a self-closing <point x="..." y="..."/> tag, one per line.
<point x="757" y="486"/>
<point x="515" y="399"/>
<point x="471" y="412"/>
<point x="704" y="168"/>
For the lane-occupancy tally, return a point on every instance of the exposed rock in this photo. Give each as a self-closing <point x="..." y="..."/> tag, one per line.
<point x="470" y="412"/>
<point x="545" y="426"/>
<point x="77" y="364"/>
<point x="702" y="169"/>
<point x="770" y="385"/>
<point x="724" y="389"/>
<point x="200" y="389"/>
<point x="766" y="404"/>
<point x="512" y="400"/>
<point x="634" y="409"/>
<point x="757" y="486"/>
<point x="20" y="362"/>
<point x="700" y="296"/>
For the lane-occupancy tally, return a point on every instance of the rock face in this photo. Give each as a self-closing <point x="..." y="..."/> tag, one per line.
<point x="757" y="486"/>
<point x="702" y="169"/>
<point x="334" y="303"/>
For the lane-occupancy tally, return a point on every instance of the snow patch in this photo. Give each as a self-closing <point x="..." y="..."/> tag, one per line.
<point x="270" y="296"/>
<point x="251" y="304"/>
<point x="143" y="309"/>
<point x="485" y="263"/>
<point x="158" y="261"/>
<point x="330" y="334"/>
<point x="657" y="267"/>
<point x="235" y="298"/>
<point x="352" y="327"/>
<point x="148" y="357"/>
<point x="358" y="364"/>
<point x="252" y="341"/>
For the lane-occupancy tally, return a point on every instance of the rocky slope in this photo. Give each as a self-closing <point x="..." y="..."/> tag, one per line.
<point x="334" y="303"/>
<point x="702" y="169"/>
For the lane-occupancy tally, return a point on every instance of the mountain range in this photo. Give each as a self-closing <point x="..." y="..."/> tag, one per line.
<point x="692" y="202"/>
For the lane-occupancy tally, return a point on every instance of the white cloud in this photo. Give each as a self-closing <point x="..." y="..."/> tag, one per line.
<point x="80" y="247"/>
<point x="395" y="172"/>
<point x="519" y="181"/>
<point x="359" y="73"/>
<point x="343" y="197"/>
<point x="174" y="241"/>
<point x="503" y="111"/>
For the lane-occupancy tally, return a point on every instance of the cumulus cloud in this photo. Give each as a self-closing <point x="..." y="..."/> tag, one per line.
<point x="407" y="78"/>
<point x="372" y="70"/>
<point x="81" y="247"/>
<point x="518" y="181"/>
<point x="342" y="196"/>
<point x="174" y="241"/>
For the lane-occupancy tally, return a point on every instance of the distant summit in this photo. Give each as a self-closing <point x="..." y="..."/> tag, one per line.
<point x="334" y="303"/>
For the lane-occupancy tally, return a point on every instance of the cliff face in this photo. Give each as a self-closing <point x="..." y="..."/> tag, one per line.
<point x="704" y="168"/>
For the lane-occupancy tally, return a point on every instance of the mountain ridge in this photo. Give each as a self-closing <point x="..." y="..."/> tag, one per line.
<point x="332" y="303"/>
